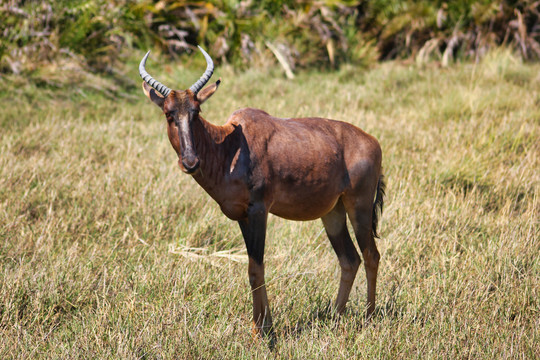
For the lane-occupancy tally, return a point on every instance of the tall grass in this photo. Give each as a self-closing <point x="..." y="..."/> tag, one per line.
<point x="108" y="251"/>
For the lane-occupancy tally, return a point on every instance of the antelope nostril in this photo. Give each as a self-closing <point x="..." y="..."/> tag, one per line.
<point x="191" y="164"/>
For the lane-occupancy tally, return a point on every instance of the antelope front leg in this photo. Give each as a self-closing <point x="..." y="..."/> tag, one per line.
<point x="262" y="320"/>
<point x="254" y="232"/>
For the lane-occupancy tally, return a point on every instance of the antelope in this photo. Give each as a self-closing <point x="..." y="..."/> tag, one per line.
<point x="298" y="169"/>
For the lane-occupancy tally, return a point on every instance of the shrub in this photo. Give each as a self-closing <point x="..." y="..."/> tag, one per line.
<point x="305" y="34"/>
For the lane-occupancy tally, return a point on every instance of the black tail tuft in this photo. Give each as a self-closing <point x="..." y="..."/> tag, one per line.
<point x="378" y="205"/>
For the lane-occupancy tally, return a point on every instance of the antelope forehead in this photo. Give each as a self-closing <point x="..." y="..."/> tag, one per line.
<point x="181" y="104"/>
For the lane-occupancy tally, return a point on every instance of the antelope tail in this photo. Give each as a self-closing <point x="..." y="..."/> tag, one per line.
<point x="378" y="205"/>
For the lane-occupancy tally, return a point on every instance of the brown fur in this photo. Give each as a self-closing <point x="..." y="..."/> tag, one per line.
<point x="299" y="169"/>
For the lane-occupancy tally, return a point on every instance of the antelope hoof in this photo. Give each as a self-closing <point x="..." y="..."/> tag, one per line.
<point x="261" y="332"/>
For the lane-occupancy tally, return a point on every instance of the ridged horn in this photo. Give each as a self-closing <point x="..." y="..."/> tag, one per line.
<point x="160" y="88"/>
<point x="195" y="88"/>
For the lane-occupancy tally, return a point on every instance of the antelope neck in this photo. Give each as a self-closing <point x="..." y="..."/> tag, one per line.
<point x="210" y="142"/>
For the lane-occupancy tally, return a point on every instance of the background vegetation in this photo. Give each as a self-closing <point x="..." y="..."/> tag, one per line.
<point x="99" y="34"/>
<point x="107" y="250"/>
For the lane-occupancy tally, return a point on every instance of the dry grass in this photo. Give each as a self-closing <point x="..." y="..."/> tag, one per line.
<point x="109" y="251"/>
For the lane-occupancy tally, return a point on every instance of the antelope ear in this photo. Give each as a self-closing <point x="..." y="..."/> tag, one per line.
<point x="153" y="95"/>
<point x="208" y="91"/>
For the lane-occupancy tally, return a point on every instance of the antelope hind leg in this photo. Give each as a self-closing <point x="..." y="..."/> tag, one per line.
<point x="335" y="224"/>
<point x="360" y="216"/>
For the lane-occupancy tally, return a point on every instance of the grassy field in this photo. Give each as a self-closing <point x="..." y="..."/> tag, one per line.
<point x="108" y="251"/>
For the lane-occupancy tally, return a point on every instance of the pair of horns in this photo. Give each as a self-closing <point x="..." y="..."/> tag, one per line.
<point x="165" y="91"/>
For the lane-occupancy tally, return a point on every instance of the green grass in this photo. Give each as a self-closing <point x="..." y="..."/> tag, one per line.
<point x="109" y="251"/>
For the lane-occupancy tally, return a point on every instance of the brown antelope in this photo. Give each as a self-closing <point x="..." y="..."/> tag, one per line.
<point x="298" y="169"/>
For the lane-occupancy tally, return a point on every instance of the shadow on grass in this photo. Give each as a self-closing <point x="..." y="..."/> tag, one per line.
<point x="322" y="314"/>
<point x="319" y="314"/>
<point x="320" y="317"/>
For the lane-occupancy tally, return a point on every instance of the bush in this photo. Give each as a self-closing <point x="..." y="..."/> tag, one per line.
<point x="304" y="34"/>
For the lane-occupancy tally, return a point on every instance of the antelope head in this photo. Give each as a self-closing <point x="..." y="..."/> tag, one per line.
<point x="181" y="108"/>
